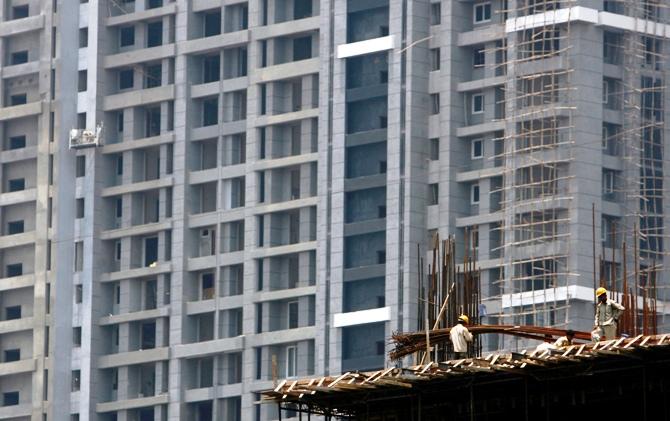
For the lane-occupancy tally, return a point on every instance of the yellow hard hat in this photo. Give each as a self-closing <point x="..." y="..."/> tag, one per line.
<point x="464" y="318"/>
<point x="600" y="291"/>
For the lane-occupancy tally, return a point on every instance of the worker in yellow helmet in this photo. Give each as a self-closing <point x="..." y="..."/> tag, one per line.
<point x="460" y="336"/>
<point x="607" y="315"/>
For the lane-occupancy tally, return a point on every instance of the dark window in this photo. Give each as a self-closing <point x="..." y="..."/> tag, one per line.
<point x="119" y="165"/>
<point x="13" y="313"/>
<point x="479" y="57"/>
<point x="148" y="335"/>
<point x="14" y="227"/>
<point x="127" y="36"/>
<point x="302" y="9"/>
<point x="482" y="12"/>
<point x="15" y="269"/>
<point x="80" y="208"/>
<point x="212" y="22"/>
<point x="17" y="142"/>
<point x="17" y="184"/>
<point x="20" y="12"/>
<point x="302" y="48"/>
<point x="80" y="169"/>
<point x="434" y="103"/>
<point x="211" y="68"/>
<point x="78" y="293"/>
<point x="19" y="57"/>
<point x="150" y="251"/>
<point x="153" y="127"/>
<point x="434" y="194"/>
<point x="126" y="79"/>
<point x="119" y="122"/>
<point x="154" y="34"/>
<point x="82" y="82"/>
<point x="12" y="355"/>
<point x="434" y="149"/>
<point x="81" y="120"/>
<point x="381" y="256"/>
<point x="76" y="380"/>
<point x="152" y="4"/>
<point x="83" y="37"/>
<point x="435" y="13"/>
<point x="210" y="110"/>
<point x="18" y="99"/>
<point x="119" y="207"/>
<point x="434" y="59"/>
<point x="153" y="75"/>
<point x="10" y="398"/>
<point x="76" y="336"/>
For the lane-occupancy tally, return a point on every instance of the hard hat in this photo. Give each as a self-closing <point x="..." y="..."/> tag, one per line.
<point x="464" y="318"/>
<point x="600" y="291"/>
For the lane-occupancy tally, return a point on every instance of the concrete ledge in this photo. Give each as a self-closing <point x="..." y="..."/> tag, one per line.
<point x="206" y="262"/>
<point x="286" y="70"/>
<point x="216" y="173"/>
<point x="21" y="26"/>
<point x="137" y="187"/>
<point x="362" y="317"/>
<point x="15" y="155"/>
<point x="366" y="182"/>
<point x="215" y="217"/>
<point x="17" y="240"/>
<point x="286" y="249"/>
<point x="20" y="111"/>
<point x="365" y="227"/>
<point x="477" y="129"/>
<point x="134" y="316"/>
<point x="282" y="336"/>
<point x="287" y="205"/>
<point x="214" y="304"/>
<point x="290" y="27"/>
<point x="162" y="267"/>
<point x="368" y="46"/>
<point x="132" y="403"/>
<point x="138" y="97"/>
<point x="16" y="282"/>
<point x="136" y="230"/>
<point x="17" y="367"/>
<point x="199" y="349"/>
<point x="214" y="131"/>
<point x="283" y="294"/>
<point x="134" y="357"/>
<point x="18" y="325"/>
<point x="168" y="9"/>
<point x="287" y="161"/>
<point x="224" y="391"/>
<point x="487" y="218"/>
<point x="367" y="92"/>
<point x="366" y="137"/>
<point x="216" y="42"/>
<point x="139" y="56"/>
<point x="214" y="88"/>
<point x="467" y="176"/>
<point x="16" y="411"/>
<point x="286" y="117"/>
<point x="20" y="69"/>
<point x="481" y="35"/>
<point x="110" y="148"/>
<point x="479" y="84"/>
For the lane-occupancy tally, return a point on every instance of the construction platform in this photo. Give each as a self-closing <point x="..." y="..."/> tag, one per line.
<point x="627" y="378"/>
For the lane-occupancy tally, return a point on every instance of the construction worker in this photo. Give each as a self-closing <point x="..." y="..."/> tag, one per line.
<point x="546" y="345"/>
<point x="607" y="315"/>
<point x="460" y="336"/>
<point x="565" y="340"/>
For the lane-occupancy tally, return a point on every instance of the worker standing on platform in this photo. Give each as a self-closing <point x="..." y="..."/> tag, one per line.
<point x="460" y="336"/>
<point x="607" y="314"/>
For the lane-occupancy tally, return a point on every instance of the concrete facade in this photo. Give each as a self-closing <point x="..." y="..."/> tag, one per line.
<point x="266" y="172"/>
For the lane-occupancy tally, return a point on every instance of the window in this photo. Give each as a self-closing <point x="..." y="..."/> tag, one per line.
<point x="18" y="99"/>
<point x="19" y="57"/>
<point x="606" y="94"/>
<point x="117" y="251"/>
<point x="434" y="194"/>
<point x="76" y="380"/>
<point x="17" y="142"/>
<point x="434" y="149"/>
<point x="153" y="121"/>
<point x="119" y="207"/>
<point x="609" y="182"/>
<point x="153" y="75"/>
<point x="14" y="227"/>
<point x="434" y="59"/>
<point x="76" y="336"/>
<point x="211" y="68"/>
<point x="302" y="48"/>
<point x="14" y="269"/>
<point x="474" y="194"/>
<point x="119" y="165"/>
<point x="78" y="293"/>
<point x="210" y="111"/>
<point x="293" y="315"/>
<point x="82" y="82"/>
<point x="477" y="103"/>
<point x="127" y="36"/>
<point x="10" y="398"/>
<point x="20" y="12"/>
<point x="17" y="184"/>
<point x="78" y="256"/>
<point x="83" y="37"/>
<point x="477" y="149"/>
<point x="482" y="12"/>
<point x="80" y="208"/>
<point x="126" y="77"/>
<point x="119" y="122"/>
<point x="381" y="211"/>
<point x="12" y="355"/>
<point x="212" y="23"/>
<point x="152" y="4"/>
<point x="291" y="362"/>
<point x="154" y="34"/>
<point x="434" y="104"/>
<point x="13" y="313"/>
<point x="435" y="13"/>
<point x="381" y="257"/>
<point x="479" y="57"/>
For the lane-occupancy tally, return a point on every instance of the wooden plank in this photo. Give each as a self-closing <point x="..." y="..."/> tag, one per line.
<point x="628" y="345"/>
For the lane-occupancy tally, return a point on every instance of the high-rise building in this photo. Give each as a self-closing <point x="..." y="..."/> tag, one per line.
<point x="269" y="173"/>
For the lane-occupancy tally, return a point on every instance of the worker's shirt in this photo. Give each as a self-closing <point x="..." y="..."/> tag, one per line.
<point x="460" y="336"/>
<point x="608" y="313"/>
<point x="543" y="347"/>
<point x="562" y="341"/>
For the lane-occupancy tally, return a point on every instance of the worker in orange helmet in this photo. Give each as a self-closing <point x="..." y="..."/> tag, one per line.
<point x="607" y="315"/>
<point x="460" y="336"/>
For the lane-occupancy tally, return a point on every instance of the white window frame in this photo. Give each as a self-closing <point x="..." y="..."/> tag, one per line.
<point x="483" y="6"/>
<point x="472" y="99"/>
<point x="473" y="188"/>
<point x="481" y="149"/>
<point x="291" y="354"/>
<point x="475" y="53"/>
<point x="609" y="182"/>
